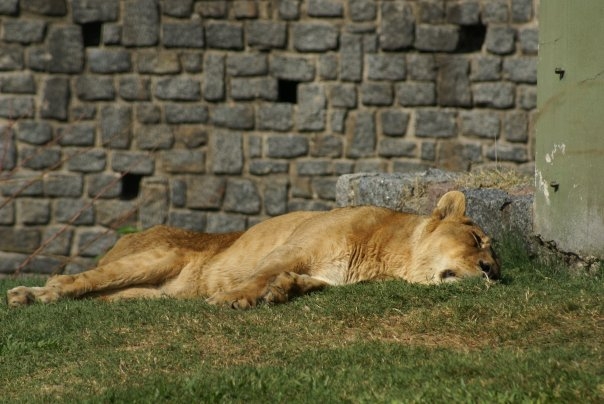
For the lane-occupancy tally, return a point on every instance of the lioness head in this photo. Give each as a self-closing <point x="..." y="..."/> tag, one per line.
<point x="452" y="247"/>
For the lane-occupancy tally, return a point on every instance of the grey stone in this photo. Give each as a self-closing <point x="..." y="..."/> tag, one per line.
<point x="527" y="97"/>
<point x="377" y="94"/>
<point x="343" y="95"/>
<point x="22" y="184"/>
<point x="371" y="165"/>
<point x="495" y="11"/>
<point x="522" y="10"/>
<point x="314" y="37"/>
<point x="432" y="11"/>
<point x="264" y="167"/>
<point x="178" y="192"/>
<point x="82" y="112"/>
<point x="276" y="116"/>
<point x="398" y="25"/>
<point x="192" y="61"/>
<point x="312" y="167"/>
<point x="186" y="113"/>
<point x="194" y="221"/>
<point x="11" y="58"/>
<point x="515" y="125"/>
<point x="63" y="185"/>
<point x="33" y="132"/>
<point x="94" y="88"/>
<point x="292" y="68"/>
<point x="77" y="134"/>
<point x="362" y="10"/>
<point x="213" y="79"/>
<point x="205" y="192"/>
<point x="33" y="211"/>
<point x="9" y="7"/>
<point x="308" y="204"/>
<point x="289" y="9"/>
<point x="343" y="167"/>
<point x="108" y="60"/>
<point x="17" y="107"/>
<point x="266" y="34"/>
<point x="327" y="146"/>
<point x="183" y="35"/>
<point x="351" y="57"/>
<point x="421" y="67"/>
<point x="311" y="107"/>
<point x="154" y="206"/>
<point x="111" y="34"/>
<point x="254" y="146"/>
<point x="286" y="146"/>
<point x="386" y="67"/>
<point x="55" y="98"/>
<point x="95" y="241"/>
<point x="529" y="40"/>
<point x="363" y="137"/>
<point x="177" y="8"/>
<point x="500" y="39"/>
<point x="521" y="70"/>
<point x="275" y="197"/>
<point x="226" y="151"/>
<point x="338" y="120"/>
<point x="224" y="35"/>
<point x="183" y="161"/>
<point x="40" y="159"/>
<point x="438" y="123"/>
<point x="158" y="62"/>
<point x="241" y="196"/>
<point x="493" y="95"/>
<point x="212" y="9"/>
<point x="486" y="68"/>
<point x="394" y="122"/>
<point x="453" y="82"/>
<point x="507" y="152"/>
<point x="480" y="123"/>
<point x="225" y="222"/>
<point x="134" y="88"/>
<point x="116" y="126"/>
<point x="245" y="9"/>
<point x="328" y="66"/>
<point x="178" y="89"/>
<point x="140" y="23"/>
<point x="324" y="187"/>
<point x="233" y="116"/>
<point x="190" y="136"/>
<point x="132" y="163"/>
<point x="85" y="11"/>
<point x="74" y="211"/>
<point x="23" y="30"/>
<point x="265" y="88"/>
<point x="428" y="151"/>
<point x="104" y="185"/>
<point x="45" y="7"/>
<point x="437" y="38"/>
<point x="416" y="93"/>
<point x="86" y="160"/>
<point x="7" y="151"/>
<point x="154" y="137"/>
<point x="463" y="12"/>
<point x="325" y="8"/>
<point x="57" y="240"/>
<point x="18" y="83"/>
<point x="7" y="211"/>
<point x="396" y="147"/>
<point x="19" y="239"/>
<point x="116" y="214"/>
<point x="254" y="64"/>
<point x="148" y="113"/>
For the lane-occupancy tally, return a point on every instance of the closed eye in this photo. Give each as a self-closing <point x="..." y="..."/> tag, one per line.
<point x="447" y="274"/>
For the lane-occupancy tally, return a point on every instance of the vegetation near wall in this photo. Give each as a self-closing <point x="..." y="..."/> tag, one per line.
<point x="212" y="115"/>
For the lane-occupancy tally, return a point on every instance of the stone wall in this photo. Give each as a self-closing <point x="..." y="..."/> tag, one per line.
<point x="212" y="115"/>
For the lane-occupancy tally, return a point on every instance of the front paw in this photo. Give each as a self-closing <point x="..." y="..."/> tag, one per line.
<point x="23" y="296"/>
<point x="234" y="300"/>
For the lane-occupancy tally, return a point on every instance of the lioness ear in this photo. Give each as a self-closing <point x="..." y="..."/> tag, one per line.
<point x="452" y="204"/>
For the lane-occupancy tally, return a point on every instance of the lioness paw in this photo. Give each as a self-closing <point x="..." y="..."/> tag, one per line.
<point x="22" y="295"/>
<point x="233" y="299"/>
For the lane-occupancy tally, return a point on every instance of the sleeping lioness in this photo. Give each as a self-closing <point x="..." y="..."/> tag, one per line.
<point x="282" y="257"/>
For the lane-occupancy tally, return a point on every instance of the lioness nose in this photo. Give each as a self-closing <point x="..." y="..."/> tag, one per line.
<point x="491" y="270"/>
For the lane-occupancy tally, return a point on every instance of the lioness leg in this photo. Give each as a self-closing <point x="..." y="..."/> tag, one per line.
<point x="147" y="268"/>
<point x="280" y="276"/>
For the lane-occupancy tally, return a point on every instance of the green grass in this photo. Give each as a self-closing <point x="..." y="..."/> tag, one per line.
<point x="536" y="336"/>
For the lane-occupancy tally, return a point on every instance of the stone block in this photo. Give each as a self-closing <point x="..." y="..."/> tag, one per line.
<point x="23" y="30"/>
<point x="437" y="38"/>
<point x="266" y="34"/>
<point x="527" y="97"/>
<point x="428" y="151"/>
<point x="313" y="167"/>
<point x="327" y="146"/>
<point x="183" y="35"/>
<point x="140" y="23"/>
<point x="205" y="192"/>
<point x="328" y="66"/>
<point x="286" y="146"/>
<point x="480" y="123"/>
<point x="104" y="185"/>
<point x="265" y="167"/>
<point x="94" y="88"/>
<point x="254" y="146"/>
<point x="507" y="152"/>
<point x="394" y="122"/>
<point x="33" y="211"/>
<point x="108" y="60"/>
<point x="154" y="206"/>
<point x="325" y="8"/>
<point x="377" y="94"/>
<point x="241" y="196"/>
<point x="21" y="184"/>
<point x="45" y="7"/>
<point x="351" y="57"/>
<point x="82" y="112"/>
<point x="33" y="132"/>
<point x="17" y="107"/>
<point x="147" y="113"/>
<point x="264" y="88"/>
<point x="55" y="98"/>
<point x="95" y="241"/>
<point x="278" y="116"/>
<point x="192" y="61"/>
<point x="432" y="11"/>
<point x="9" y="7"/>
<point x="154" y="137"/>
<point x="57" y="240"/>
<point x="194" y="221"/>
<point x="134" y="88"/>
<point x="179" y="113"/>
<point x="371" y="165"/>
<point x="116" y="126"/>
<point x="309" y="204"/>
<point x="421" y="67"/>
<point x="19" y="83"/>
<point x="178" y="89"/>
<point x="292" y="68"/>
<point x="500" y="40"/>
<point x="343" y="95"/>
<point x="226" y="149"/>
<point x="324" y="187"/>
<point x="311" y="107"/>
<point x="416" y="93"/>
<point x="386" y="67"/>
<point x="233" y="116"/>
<point x="177" y="8"/>
<point x="225" y="222"/>
<point x="529" y="40"/>
<point x="158" y="62"/>
<point x="495" y="11"/>
<point x="19" y="239"/>
<point x="463" y="12"/>
<point x="224" y="35"/>
<point x="11" y="58"/>
<point x="63" y="185"/>
<point x="314" y="37"/>
<point x="111" y="34"/>
<point x="522" y="10"/>
<point x="485" y="68"/>
<point x="73" y="211"/>
<point x="437" y="123"/>
<point x="364" y="135"/>
<point x="245" y="9"/>
<point x="398" y="25"/>
<point x="515" y="126"/>
<point x="338" y="120"/>
<point x="132" y="163"/>
<point x="521" y="70"/>
<point x="396" y="147"/>
<point x="289" y="9"/>
<point x="362" y="10"/>
<point x="213" y="78"/>
<point x="252" y="64"/>
<point x="39" y="158"/>
<point x="178" y="192"/>
<point x="275" y="197"/>
<point x="493" y="95"/>
<point x="85" y="11"/>
<point x="86" y="160"/>
<point x="212" y="9"/>
<point x="453" y="82"/>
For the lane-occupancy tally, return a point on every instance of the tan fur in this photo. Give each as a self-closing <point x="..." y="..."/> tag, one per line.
<point x="283" y="257"/>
